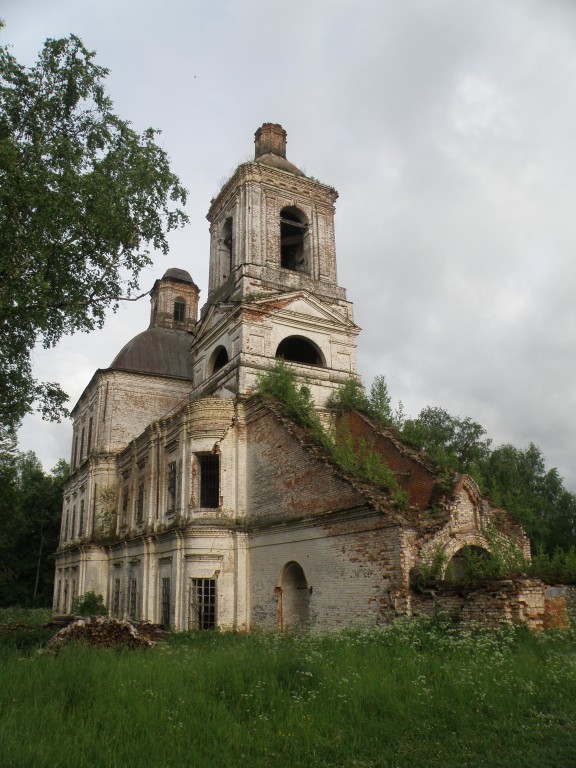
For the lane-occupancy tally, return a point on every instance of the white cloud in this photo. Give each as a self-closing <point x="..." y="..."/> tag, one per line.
<point x="447" y="128"/>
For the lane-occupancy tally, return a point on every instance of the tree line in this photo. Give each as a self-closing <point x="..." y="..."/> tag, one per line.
<point x="515" y="478"/>
<point x="30" y="513"/>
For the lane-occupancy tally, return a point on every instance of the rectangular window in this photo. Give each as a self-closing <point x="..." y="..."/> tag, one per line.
<point x="73" y="527"/>
<point x="209" y="480"/>
<point x="66" y="520"/>
<point x="171" y="487"/>
<point x="82" y="444"/>
<point x="66" y="595"/>
<point x="75" y="453"/>
<point x="58" y="594"/>
<point x="140" y="502"/>
<point x="202" y="604"/>
<point x="132" y="599"/>
<point x="81" y="519"/>
<point x="179" y="311"/>
<point x="116" y="599"/>
<point x="165" y="606"/>
<point x="90" y="427"/>
<point x="125" y="500"/>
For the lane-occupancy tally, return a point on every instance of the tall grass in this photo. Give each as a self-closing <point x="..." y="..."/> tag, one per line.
<point x="412" y="695"/>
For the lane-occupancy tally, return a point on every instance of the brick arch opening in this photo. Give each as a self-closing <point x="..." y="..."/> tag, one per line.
<point x="293" y="598"/>
<point x="455" y="570"/>
<point x="298" y="349"/>
<point x="218" y="359"/>
<point x="294" y="239"/>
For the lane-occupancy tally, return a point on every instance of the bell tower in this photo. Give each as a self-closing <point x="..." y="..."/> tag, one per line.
<point x="273" y="288"/>
<point x="271" y="227"/>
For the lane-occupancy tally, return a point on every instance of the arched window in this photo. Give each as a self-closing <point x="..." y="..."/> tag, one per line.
<point x="293" y="240"/>
<point x="218" y="360"/>
<point x="179" y="310"/>
<point x="297" y="349"/>
<point x="226" y="248"/>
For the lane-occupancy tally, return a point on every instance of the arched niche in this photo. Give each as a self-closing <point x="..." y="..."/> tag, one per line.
<point x="298" y="349"/>
<point x="293" y="598"/>
<point x="294" y="247"/>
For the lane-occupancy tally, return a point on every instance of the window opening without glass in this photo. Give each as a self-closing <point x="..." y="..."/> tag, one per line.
<point x="209" y="480"/>
<point x="202" y="604"/>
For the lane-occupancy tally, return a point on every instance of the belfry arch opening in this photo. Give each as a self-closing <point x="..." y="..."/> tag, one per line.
<point x="293" y="598"/>
<point x="218" y="360"/>
<point x="297" y="349"/>
<point x="226" y="248"/>
<point x="293" y="240"/>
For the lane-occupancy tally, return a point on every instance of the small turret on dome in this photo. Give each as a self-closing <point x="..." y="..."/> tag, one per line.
<point x="270" y="148"/>
<point x="164" y="348"/>
<point x="174" y="301"/>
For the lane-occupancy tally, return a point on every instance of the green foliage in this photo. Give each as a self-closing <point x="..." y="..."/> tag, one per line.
<point x="504" y="561"/>
<point x="31" y="505"/>
<point x="514" y="478"/>
<point x="82" y="199"/>
<point x="410" y="694"/>
<point x="518" y="480"/>
<point x="89" y="604"/>
<point x="557" y="568"/>
<point x="280" y="383"/>
<point x="350" y="397"/>
<point x="429" y="572"/>
<point x="357" y="459"/>
<point x="381" y="402"/>
<point x="455" y="444"/>
<point x="360" y="459"/>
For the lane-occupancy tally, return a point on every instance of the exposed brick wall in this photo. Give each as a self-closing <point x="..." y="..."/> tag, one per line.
<point x="518" y="601"/>
<point x="284" y="480"/>
<point x="412" y="475"/>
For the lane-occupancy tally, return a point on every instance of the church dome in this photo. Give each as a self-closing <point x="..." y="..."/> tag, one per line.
<point x="157" y="351"/>
<point x="178" y="274"/>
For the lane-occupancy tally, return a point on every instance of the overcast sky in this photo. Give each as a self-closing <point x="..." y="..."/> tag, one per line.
<point x="448" y="128"/>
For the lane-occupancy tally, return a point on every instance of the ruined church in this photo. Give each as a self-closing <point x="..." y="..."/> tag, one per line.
<point x="193" y="502"/>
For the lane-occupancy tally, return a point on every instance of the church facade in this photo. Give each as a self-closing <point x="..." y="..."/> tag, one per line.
<point x="193" y="502"/>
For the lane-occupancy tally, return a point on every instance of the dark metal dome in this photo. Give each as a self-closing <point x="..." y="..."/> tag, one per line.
<point x="178" y="274"/>
<point x="158" y="351"/>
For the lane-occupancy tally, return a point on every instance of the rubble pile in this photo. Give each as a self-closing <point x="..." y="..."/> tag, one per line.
<point x="16" y="627"/>
<point x="103" y="632"/>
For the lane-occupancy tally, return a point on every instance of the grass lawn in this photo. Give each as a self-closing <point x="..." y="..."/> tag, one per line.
<point x="412" y="695"/>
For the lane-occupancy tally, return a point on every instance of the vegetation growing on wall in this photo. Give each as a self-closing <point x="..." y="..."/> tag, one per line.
<point x="297" y="404"/>
<point x="89" y="604"/>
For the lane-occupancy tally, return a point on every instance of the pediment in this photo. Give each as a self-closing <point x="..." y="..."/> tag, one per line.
<point x="302" y="304"/>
